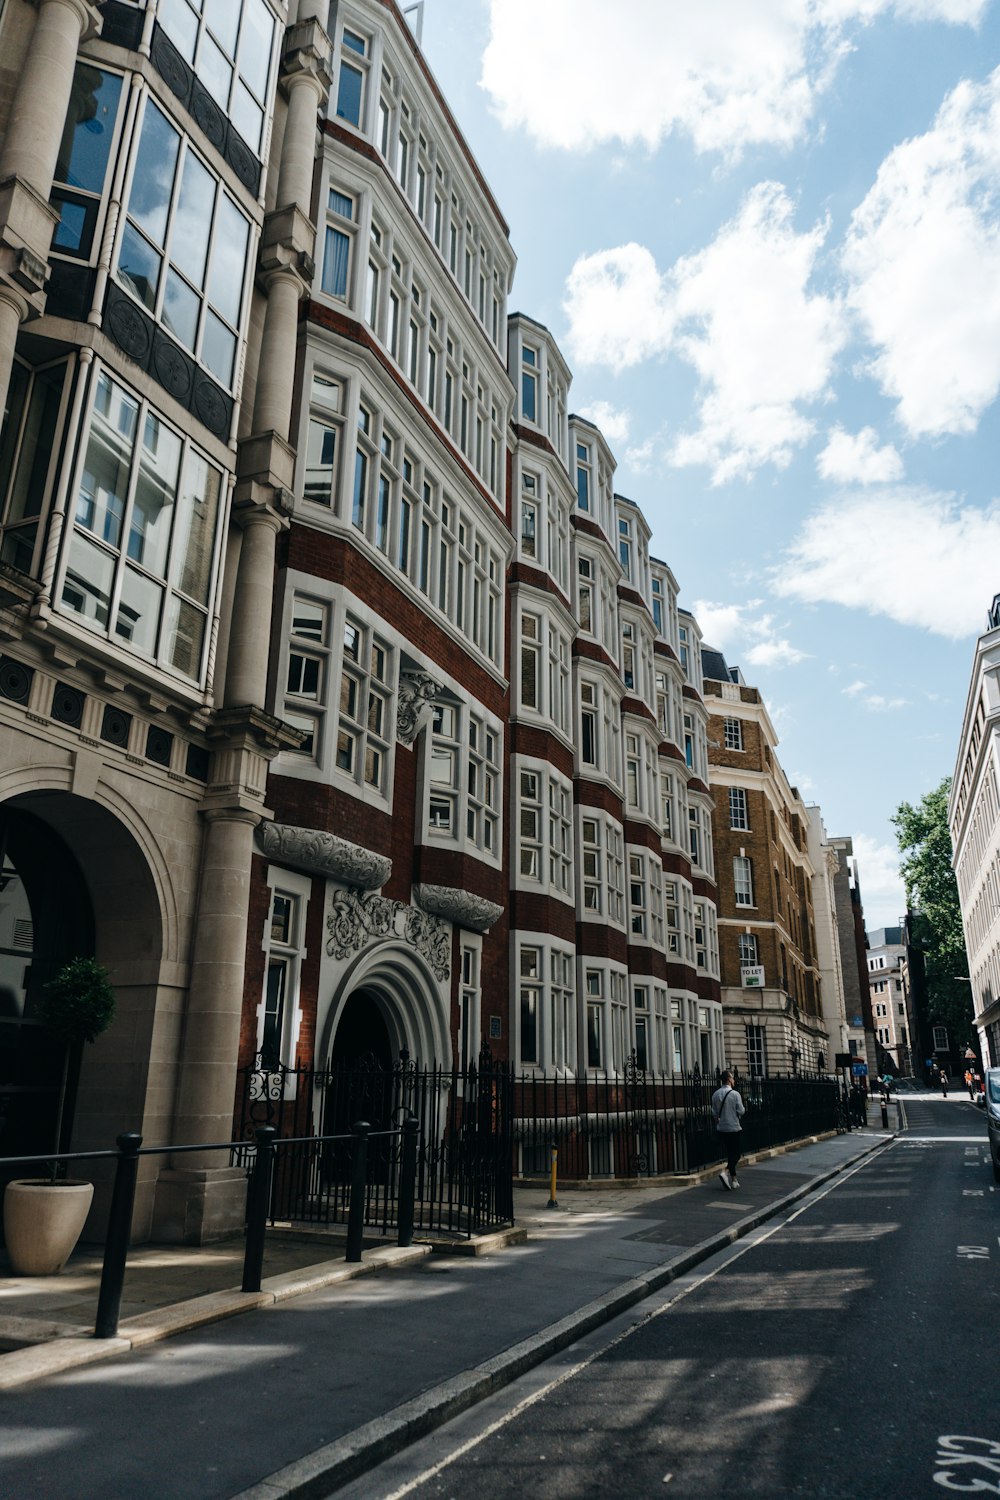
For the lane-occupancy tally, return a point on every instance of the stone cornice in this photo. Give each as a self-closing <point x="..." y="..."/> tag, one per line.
<point x="463" y="908"/>
<point x="317" y="853"/>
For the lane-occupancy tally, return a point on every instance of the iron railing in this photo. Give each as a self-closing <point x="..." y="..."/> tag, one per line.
<point x="643" y="1124"/>
<point x="260" y="1159"/>
<point x="464" y="1178"/>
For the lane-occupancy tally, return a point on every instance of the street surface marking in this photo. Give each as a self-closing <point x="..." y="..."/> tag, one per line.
<point x="732" y="1253"/>
<point x="957" y="1455"/>
<point x="973" y="1252"/>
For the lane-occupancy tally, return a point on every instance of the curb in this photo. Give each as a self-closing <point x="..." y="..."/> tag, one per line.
<point x="329" y="1467"/>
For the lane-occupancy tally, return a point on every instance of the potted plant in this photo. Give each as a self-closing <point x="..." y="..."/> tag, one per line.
<point x="44" y="1217"/>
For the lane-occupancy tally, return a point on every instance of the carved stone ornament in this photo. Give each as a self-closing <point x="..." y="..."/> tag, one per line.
<point x="416" y="690"/>
<point x="323" y="854"/>
<point x="461" y="907"/>
<point x="358" y="920"/>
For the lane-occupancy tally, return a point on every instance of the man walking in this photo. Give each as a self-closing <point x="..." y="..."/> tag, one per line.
<point x="727" y="1107"/>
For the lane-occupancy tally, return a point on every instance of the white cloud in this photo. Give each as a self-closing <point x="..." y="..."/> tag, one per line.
<point x="758" y="357"/>
<point x="613" y="423"/>
<point x="923" y="261"/>
<point x="742" y="628"/>
<point x="856" y="458"/>
<point x="874" y="702"/>
<point x="942" y="554"/>
<point x="724" y="72"/>
<point x="882" y="892"/>
<point x="618" y="309"/>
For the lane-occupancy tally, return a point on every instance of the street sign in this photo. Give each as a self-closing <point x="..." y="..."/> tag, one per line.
<point x="860" y="1070"/>
<point x="843" y="1059"/>
<point x="752" y="976"/>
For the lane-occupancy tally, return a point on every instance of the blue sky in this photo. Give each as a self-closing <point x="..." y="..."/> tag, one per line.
<point x="766" y="234"/>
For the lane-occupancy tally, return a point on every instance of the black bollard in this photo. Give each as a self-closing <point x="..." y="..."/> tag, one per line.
<point x="119" y="1232"/>
<point x="258" y="1203"/>
<point x="407" y="1181"/>
<point x="359" y="1174"/>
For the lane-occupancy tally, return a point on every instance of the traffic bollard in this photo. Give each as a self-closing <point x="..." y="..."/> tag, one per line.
<point x="109" y="1301"/>
<point x="407" y="1182"/>
<point x="258" y="1203"/>
<point x="553" y="1170"/>
<point x="359" y="1174"/>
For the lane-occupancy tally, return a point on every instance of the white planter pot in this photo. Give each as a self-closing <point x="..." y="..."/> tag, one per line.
<point x="42" y="1222"/>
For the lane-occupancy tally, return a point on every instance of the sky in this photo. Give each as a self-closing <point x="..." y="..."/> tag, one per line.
<point x="766" y="236"/>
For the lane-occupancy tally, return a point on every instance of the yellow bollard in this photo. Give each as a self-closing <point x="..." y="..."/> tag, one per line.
<point x="553" y="1202"/>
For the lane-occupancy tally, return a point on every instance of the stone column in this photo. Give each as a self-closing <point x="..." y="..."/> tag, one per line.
<point x="246" y="676"/>
<point x="43" y="90"/>
<point x="197" y="1198"/>
<point x="27" y="164"/>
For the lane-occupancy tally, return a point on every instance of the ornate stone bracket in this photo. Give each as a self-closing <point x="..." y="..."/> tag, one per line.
<point x="460" y="907"/>
<point x="356" y="920"/>
<point x="323" y="854"/>
<point x="417" y="691"/>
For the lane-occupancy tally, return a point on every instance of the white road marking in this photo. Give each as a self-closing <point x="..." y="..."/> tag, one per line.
<point x="755" y="1238"/>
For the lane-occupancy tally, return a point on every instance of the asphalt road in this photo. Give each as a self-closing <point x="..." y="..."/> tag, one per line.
<point x="848" y="1350"/>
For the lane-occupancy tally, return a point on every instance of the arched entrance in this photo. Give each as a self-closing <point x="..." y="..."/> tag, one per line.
<point x="81" y="879"/>
<point x="362" y="1035"/>
<point x="46" y="918"/>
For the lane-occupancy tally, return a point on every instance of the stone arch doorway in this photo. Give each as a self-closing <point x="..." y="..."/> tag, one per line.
<point x="79" y="877"/>
<point x="46" y="918"/>
<point x="392" y="1015"/>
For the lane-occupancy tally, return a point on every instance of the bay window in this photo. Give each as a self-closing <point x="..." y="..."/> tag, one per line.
<point x="184" y="248"/>
<point x="229" y="45"/>
<point x="141" y="551"/>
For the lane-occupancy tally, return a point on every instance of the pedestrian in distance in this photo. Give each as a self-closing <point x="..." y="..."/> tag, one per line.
<point x="943" y="1081"/>
<point x="970" y="1083"/>
<point x="727" y="1107"/>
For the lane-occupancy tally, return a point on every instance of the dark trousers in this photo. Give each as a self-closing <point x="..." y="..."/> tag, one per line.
<point x="732" y="1140"/>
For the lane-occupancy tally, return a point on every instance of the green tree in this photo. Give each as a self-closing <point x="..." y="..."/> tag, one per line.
<point x="924" y="841"/>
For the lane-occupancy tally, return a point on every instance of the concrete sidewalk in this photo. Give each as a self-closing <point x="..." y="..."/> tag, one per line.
<point x="430" y="1337"/>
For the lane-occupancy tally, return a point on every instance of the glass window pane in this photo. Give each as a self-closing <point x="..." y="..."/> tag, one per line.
<point x="87" y="586"/>
<point x="224" y="18"/>
<point x="180" y="310"/>
<point x="153" y="179"/>
<point x="36" y="444"/>
<point x="17" y="391"/>
<point x="229" y="258"/>
<point x="90" y="122"/>
<point x="320" y="455"/>
<point x="139" y="266"/>
<point x="194" y="534"/>
<point x="138" y="615"/>
<point x="213" y="70"/>
<point x="349" y="94"/>
<point x="335" y="260"/>
<point x="193" y="220"/>
<point x="185" y="636"/>
<point x="218" y="348"/>
<point x="255" y="45"/>
<point x="156" y="489"/>
<point x="75" y="228"/>
<point x="104" y="483"/>
<point x="178" y="21"/>
<point x="247" y="115"/>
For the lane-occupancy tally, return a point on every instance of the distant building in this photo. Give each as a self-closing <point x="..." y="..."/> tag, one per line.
<point x="829" y="957"/>
<point x="771" y="991"/>
<point x="974" y="819"/>
<point x="888" y="991"/>
<point x="854" y="955"/>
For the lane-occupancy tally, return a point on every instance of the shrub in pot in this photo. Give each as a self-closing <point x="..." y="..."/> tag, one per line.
<point x="44" y="1217"/>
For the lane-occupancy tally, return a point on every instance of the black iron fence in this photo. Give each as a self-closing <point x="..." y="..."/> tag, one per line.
<point x="484" y="1126"/>
<point x="261" y="1160"/>
<point x="641" y="1124"/>
<point x="463" y="1168"/>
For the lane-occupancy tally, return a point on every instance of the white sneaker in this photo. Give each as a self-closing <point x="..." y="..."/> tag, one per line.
<point x="733" y="1183"/>
<point x="726" y="1181"/>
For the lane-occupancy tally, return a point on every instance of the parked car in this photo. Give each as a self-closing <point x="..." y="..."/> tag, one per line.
<point x="992" y="1085"/>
